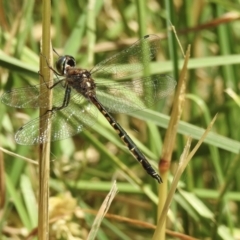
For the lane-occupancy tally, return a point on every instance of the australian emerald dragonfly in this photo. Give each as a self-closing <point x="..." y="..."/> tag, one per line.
<point x="79" y="94"/>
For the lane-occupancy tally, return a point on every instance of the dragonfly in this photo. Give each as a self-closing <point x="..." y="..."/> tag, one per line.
<point x="115" y="85"/>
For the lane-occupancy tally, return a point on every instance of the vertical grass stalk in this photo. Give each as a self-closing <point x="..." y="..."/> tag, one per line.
<point x="44" y="149"/>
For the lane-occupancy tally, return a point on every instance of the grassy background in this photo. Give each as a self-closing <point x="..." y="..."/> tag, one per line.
<point x="82" y="168"/>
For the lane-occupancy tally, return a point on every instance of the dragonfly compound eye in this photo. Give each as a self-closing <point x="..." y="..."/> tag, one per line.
<point x="63" y="62"/>
<point x="70" y="61"/>
<point x="60" y="64"/>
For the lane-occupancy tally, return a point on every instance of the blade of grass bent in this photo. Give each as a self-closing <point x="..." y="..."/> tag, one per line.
<point x="170" y="137"/>
<point x="19" y="156"/>
<point x="102" y="211"/>
<point x="185" y="158"/>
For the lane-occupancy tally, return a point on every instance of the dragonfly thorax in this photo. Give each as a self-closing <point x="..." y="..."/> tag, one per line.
<point x="81" y="81"/>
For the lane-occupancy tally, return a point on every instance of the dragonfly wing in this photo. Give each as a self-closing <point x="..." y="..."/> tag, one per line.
<point x="22" y="97"/>
<point x="129" y="61"/>
<point x="127" y="96"/>
<point x="29" y="97"/>
<point x="60" y="124"/>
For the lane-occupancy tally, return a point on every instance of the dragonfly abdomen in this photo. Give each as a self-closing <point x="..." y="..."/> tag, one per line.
<point x="127" y="141"/>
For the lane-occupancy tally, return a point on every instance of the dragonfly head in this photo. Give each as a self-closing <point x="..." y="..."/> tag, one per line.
<point x="65" y="62"/>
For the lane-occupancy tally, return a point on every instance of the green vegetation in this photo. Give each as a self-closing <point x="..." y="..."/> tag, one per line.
<point x="206" y="205"/>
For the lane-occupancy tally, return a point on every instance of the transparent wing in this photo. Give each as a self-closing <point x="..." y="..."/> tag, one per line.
<point x="29" y="97"/>
<point x="69" y="121"/>
<point x="130" y="60"/>
<point x="127" y="96"/>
